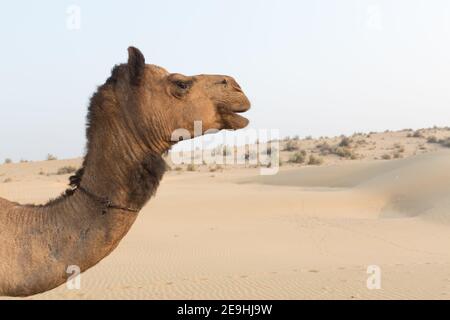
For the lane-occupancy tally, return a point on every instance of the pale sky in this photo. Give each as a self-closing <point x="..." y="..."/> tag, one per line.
<point x="323" y="67"/>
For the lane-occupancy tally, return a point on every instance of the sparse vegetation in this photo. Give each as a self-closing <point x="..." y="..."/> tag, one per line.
<point x="191" y="167"/>
<point x="314" y="160"/>
<point x="8" y="161"/>
<point x="290" y="146"/>
<point x="432" y="139"/>
<point x="215" y="168"/>
<point x="66" y="170"/>
<point x="7" y="180"/>
<point x="51" y="157"/>
<point x="399" y="148"/>
<point x="343" y="152"/>
<point x="324" y="148"/>
<point x="345" y="142"/>
<point x="298" y="157"/>
<point x="445" y="142"/>
<point x="386" y="156"/>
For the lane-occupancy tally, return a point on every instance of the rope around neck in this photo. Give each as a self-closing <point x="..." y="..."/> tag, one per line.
<point x="105" y="201"/>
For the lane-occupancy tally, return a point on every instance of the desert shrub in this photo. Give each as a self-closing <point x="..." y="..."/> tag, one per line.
<point x="178" y="169"/>
<point x="386" y="156"/>
<point x="397" y="155"/>
<point x="51" y="157"/>
<point x="345" y="142"/>
<point x="432" y="139"/>
<point x="191" y="167"/>
<point x="66" y="170"/>
<point x="399" y="147"/>
<point x="308" y="138"/>
<point x="215" y="168"/>
<point x="298" y="157"/>
<point x="445" y="142"/>
<point x="417" y="134"/>
<point x="324" y="148"/>
<point x="361" y="142"/>
<point x="8" y="161"/>
<point x="290" y="146"/>
<point x="7" y="180"/>
<point x="315" y="161"/>
<point x="343" y="152"/>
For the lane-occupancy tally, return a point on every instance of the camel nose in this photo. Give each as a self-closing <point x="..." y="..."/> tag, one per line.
<point x="228" y="81"/>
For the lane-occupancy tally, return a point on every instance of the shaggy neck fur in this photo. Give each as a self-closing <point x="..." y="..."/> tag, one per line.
<point x="39" y="243"/>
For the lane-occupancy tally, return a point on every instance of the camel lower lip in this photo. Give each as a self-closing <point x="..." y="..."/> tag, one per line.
<point x="234" y="121"/>
<point x="231" y="119"/>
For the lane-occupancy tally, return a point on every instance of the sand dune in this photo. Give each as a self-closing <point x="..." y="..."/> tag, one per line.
<point x="305" y="233"/>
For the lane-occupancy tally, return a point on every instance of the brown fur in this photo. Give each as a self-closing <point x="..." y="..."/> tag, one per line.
<point x="130" y="123"/>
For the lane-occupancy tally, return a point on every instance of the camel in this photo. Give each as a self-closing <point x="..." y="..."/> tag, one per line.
<point x="130" y="121"/>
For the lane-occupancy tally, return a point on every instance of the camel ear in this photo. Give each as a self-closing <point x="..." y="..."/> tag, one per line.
<point x="136" y="65"/>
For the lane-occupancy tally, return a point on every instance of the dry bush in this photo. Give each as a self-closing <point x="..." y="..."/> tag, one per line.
<point x="324" y="148"/>
<point x="361" y="142"/>
<point x="315" y="161"/>
<point x="432" y="139"/>
<point x="8" y="161"/>
<point x="7" y="180"/>
<point x="66" y="170"/>
<point x="386" y="156"/>
<point x="298" y="157"/>
<point x="343" y="152"/>
<point x="445" y="142"/>
<point x="191" y="167"/>
<point x="215" y="168"/>
<point x="417" y="134"/>
<point x="345" y="142"/>
<point x="399" y="148"/>
<point x="51" y="157"/>
<point x="290" y="146"/>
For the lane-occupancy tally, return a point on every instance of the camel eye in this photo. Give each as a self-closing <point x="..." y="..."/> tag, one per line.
<point x="182" y="85"/>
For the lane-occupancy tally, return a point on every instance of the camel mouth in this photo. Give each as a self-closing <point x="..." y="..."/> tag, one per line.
<point x="231" y="118"/>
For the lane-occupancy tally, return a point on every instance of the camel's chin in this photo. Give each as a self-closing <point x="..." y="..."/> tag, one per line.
<point x="234" y="121"/>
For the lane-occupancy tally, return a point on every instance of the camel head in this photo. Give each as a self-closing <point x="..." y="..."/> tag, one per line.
<point x="159" y="102"/>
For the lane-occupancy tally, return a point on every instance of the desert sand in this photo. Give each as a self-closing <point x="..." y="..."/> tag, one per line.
<point x="309" y="232"/>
